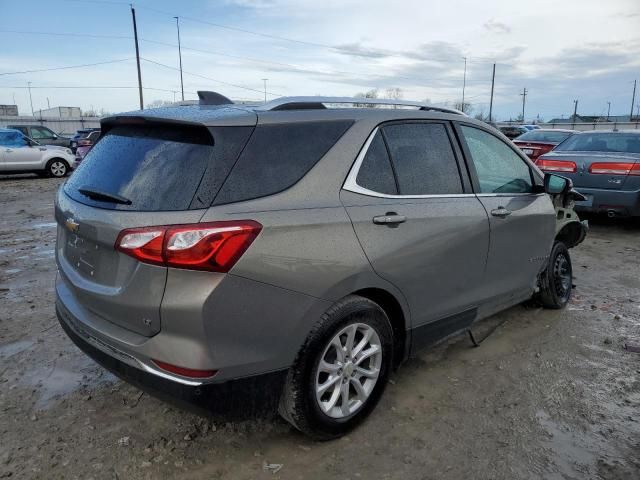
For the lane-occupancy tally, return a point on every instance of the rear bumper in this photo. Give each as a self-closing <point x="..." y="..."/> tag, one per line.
<point x="236" y="326"/>
<point x="248" y="397"/>
<point x="622" y="203"/>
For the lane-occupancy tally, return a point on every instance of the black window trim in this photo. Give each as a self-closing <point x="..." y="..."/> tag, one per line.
<point x="536" y="178"/>
<point x="351" y="184"/>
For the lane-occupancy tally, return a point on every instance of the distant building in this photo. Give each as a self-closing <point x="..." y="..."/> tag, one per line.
<point x="59" y="112"/>
<point x="9" y="110"/>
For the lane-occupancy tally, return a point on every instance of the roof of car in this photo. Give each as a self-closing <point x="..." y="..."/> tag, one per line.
<point x="292" y="108"/>
<point x="10" y="130"/>
<point x="563" y="130"/>
<point x="611" y="132"/>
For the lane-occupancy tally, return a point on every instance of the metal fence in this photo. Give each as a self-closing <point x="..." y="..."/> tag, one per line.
<point x="64" y="126"/>
<point x="582" y="127"/>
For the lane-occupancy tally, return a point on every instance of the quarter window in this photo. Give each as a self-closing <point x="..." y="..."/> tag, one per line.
<point x="423" y="159"/>
<point x="499" y="168"/>
<point x="375" y="173"/>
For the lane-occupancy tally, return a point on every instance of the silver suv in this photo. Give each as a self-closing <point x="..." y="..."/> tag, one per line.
<point x="292" y="254"/>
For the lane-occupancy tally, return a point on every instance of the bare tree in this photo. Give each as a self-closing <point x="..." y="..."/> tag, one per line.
<point x="394" y="93"/>
<point x="373" y="93"/>
<point x="466" y="107"/>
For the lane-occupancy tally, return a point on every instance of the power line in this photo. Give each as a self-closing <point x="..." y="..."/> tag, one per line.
<point x="288" y="66"/>
<point x="66" y="67"/>
<point x="98" y="87"/>
<point x="69" y="34"/>
<point x="211" y="79"/>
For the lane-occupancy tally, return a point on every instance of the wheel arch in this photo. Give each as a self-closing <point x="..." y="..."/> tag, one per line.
<point x="571" y="234"/>
<point x="393" y="308"/>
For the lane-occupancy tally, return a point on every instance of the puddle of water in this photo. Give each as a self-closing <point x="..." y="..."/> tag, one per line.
<point x="11" y="349"/>
<point x="571" y="455"/>
<point x="63" y="377"/>
<point x="45" y="225"/>
<point x="13" y="270"/>
<point x="46" y="253"/>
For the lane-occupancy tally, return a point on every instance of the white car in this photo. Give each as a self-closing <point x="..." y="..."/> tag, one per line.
<point x="20" y="154"/>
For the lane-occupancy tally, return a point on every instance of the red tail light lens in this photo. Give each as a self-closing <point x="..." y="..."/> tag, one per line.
<point x="214" y="246"/>
<point x="615" y="168"/>
<point x="550" y="165"/>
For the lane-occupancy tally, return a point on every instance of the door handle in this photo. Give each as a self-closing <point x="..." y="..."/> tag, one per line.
<point x="501" y="212"/>
<point x="391" y="219"/>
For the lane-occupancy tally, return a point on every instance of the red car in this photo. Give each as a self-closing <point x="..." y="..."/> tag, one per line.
<point x="540" y="141"/>
<point x="85" y="144"/>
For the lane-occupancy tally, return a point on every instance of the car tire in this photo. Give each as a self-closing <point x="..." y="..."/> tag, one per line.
<point x="57" y="168"/>
<point x="556" y="282"/>
<point x="317" y="365"/>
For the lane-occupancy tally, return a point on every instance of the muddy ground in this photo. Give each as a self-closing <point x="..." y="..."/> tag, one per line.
<point x="551" y="394"/>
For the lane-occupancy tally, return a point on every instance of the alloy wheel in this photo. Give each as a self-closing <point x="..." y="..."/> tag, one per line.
<point x="58" y="169"/>
<point x="348" y="370"/>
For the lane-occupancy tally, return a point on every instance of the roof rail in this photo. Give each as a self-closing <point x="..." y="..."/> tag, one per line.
<point x="213" y="98"/>
<point x="319" y="103"/>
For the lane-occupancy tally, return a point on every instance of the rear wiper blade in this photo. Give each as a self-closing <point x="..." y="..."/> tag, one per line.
<point x="104" y="196"/>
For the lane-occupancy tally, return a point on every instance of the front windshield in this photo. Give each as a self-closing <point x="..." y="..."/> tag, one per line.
<point x="602" y="142"/>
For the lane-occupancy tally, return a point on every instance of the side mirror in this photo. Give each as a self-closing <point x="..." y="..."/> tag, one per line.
<point x="55" y="137"/>
<point x="556" y="185"/>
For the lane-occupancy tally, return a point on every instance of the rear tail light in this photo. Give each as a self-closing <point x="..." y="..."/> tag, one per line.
<point x="185" y="372"/>
<point x="615" y="168"/>
<point x="214" y="246"/>
<point x="84" y="143"/>
<point x="557" y="165"/>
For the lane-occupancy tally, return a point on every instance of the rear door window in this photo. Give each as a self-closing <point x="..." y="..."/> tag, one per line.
<point x="423" y="159"/>
<point x="158" y="168"/>
<point x="376" y="173"/>
<point x="278" y="156"/>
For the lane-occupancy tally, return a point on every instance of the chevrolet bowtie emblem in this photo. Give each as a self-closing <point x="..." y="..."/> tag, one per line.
<point x="72" y="225"/>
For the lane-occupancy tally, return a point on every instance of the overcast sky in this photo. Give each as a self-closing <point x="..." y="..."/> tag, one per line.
<point x="559" y="50"/>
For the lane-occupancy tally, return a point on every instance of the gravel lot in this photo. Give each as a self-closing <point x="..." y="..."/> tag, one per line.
<point x="551" y="394"/>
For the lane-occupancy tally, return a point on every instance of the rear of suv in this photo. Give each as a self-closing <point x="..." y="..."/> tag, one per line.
<point x="292" y="254"/>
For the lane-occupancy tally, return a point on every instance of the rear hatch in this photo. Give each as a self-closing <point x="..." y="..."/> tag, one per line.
<point x="136" y="175"/>
<point x="609" y="171"/>
<point x="603" y="160"/>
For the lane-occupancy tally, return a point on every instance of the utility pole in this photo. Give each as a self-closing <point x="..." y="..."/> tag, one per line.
<point x="633" y="98"/>
<point x="575" y="112"/>
<point x="31" y="100"/>
<point x="524" y="99"/>
<point x="135" y="36"/>
<point x="493" y="81"/>
<point x="608" y="110"/>
<point x="464" y="82"/>
<point x="48" y="104"/>
<point x="264" y="80"/>
<point x="174" y="96"/>
<point x="180" y="56"/>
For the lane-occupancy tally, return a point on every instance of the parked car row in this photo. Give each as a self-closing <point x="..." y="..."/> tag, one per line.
<point x="21" y="154"/>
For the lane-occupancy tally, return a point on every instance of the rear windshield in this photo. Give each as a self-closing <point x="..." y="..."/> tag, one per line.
<point x="544" y="136"/>
<point x="602" y="142"/>
<point x="157" y="168"/>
